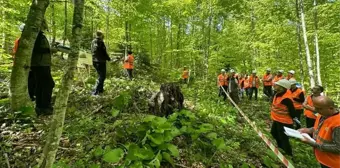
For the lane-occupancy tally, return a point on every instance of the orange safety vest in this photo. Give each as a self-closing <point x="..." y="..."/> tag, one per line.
<point x="279" y="112"/>
<point x="128" y="64"/>
<point x="296" y="94"/>
<point x="16" y="45"/>
<point x="222" y="80"/>
<point x="266" y="77"/>
<point x="323" y="134"/>
<point x="246" y="83"/>
<point x="240" y="81"/>
<point x="257" y="81"/>
<point x="185" y="74"/>
<point x="277" y="78"/>
<point x="309" y="113"/>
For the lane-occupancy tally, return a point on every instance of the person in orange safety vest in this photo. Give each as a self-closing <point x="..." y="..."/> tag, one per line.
<point x="282" y="113"/>
<point x="254" y="83"/>
<point x="268" y="83"/>
<point x="222" y="83"/>
<point x="185" y="74"/>
<point x="326" y="133"/>
<point x="298" y="98"/>
<point x="290" y="75"/>
<point x="310" y="112"/>
<point x="128" y="64"/>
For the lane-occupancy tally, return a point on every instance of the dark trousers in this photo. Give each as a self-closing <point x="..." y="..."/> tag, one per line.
<point x="44" y="85"/>
<point x="235" y="96"/>
<point x="251" y="90"/>
<point x="221" y="93"/>
<point x="267" y="90"/>
<point x="31" y="85"/>
<point x="129" y="71"/>
<point x="310" y="122"/>
<point x="101" y="70"/>
<point x="298" y="116"/>
<point x="185" y="80"/>
<point x="247" y="90"/>
<point x="281" y="138"/>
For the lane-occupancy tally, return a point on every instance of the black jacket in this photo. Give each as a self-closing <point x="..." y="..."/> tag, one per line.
<point x="41" y="55"/>
<point x="98" y="49"/>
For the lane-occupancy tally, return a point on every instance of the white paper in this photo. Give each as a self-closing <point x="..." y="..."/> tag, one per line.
<point x="296" y="134"/>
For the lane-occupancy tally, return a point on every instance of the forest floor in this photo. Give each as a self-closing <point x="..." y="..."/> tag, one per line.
<point x="208" y="133"/>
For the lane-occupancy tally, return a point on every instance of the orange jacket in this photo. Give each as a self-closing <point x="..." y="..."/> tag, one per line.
<point x="268" y="77"/>
<point x="222" y="80"/>
<point x="16" y="45"/>
<point x="128" y="64"/>
<point x="309" y="113"/>
<point x="277" y="78"/>
<point x="246" y="83"/>
<point x="296" y="94"/>
<point x="279" y="112"/>
<point x="257" y="81"/>
<point x="323" y="134"/>
<point x="185" y="74"/>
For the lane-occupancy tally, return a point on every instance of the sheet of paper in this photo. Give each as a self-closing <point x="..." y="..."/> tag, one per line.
<point x="296" y="134"/>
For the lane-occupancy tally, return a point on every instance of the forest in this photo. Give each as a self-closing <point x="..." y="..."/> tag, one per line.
<point x="155" y="118"/>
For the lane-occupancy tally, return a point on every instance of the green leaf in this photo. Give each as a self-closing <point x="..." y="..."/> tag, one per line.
<point x="212" y="135"/>
<point x="145" y="153"/>
<point x="95" y="166"/>
<point x="156" y="138"/>
<point x="155" y="163"/>
<point x="149" y="118"/>
<point x="119" y="102"/>
<point x="98" y="151"/>
<point x="244" y="165"/>
<point x="114" y="155"/>
<point x="137" y="164"/>
<point x="219" y="143"/>
<point x="133" y="149"/>
<point x="114" y="112"/>
<point x="168" y="158"/>
<point x="173" y="149"/>
<point x="267" y="161"/>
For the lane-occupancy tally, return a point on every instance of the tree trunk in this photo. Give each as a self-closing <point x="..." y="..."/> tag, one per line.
<point x="208" y="42"/>
<point x="65" y="27"/>
<point x="309" y="61"/>
<point x="178" y="38"/>
<point x="298" y="34"/>
<point x="318" y="74"/>
<point x="57" y="123"/>
<point x="20" y="69"/>
<point x="54" y="29"/>
<point x="3" y="43"/>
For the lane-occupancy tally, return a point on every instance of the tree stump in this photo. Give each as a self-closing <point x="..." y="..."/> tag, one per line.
<point x="168" y="100"/>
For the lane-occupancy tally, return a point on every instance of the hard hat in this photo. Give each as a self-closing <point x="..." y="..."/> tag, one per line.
<point x="231" y="71"/>
<point x="281" y="71"/>
<point x="293" y="81"/>
<point x="284" y="83"/>
<point x="254" y="71"/>
<point x="292" y="72"/>
<point x="269" y="69"/>
<point x="222" y="70"/>
<point x="21" y="27"/>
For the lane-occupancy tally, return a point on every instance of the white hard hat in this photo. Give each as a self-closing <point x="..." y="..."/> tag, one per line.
<point x="254" y="71"/>
<point x="281" y="71"/>
<point x="284" y="83"/>
<point x="292" y="72"/>
<point x="231" y="71"/>
<point x="292" y="81"/>
<point x="222" y="70"/>
<point x="269" y="69"/>
<point x="21" y="27"/>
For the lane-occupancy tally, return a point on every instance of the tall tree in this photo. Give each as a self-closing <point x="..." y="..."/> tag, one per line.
<point x="298" y="35"/>
<point x="316" y="43"/>
<point x="309" y="61"/>
<point x="57" y="123"/>
<point x="20" y="69"/>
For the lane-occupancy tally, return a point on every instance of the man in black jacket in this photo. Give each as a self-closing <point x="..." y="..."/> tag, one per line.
<point x="41" y="69"/>
<point x="99" y="58"/>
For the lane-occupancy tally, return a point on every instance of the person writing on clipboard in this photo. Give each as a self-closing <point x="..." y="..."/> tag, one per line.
<point x="326" y="132"/>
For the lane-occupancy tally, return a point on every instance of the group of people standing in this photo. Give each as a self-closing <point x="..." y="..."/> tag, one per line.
<point x="40" y="81"/>
<point x="288" y="103"/>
